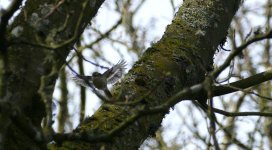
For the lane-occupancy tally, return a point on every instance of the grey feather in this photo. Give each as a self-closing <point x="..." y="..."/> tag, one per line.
<point x="116" y="72"/>
<point x="82" y="80"/>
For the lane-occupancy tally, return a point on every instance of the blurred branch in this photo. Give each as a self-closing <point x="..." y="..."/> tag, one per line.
<point x="237" y="114"/>
<point x="230" y="124"/>
<point x="233" y="138"/>
<point x="208" y="88"/>
<point x="79" y="54"/>
<point x="173" y="6"/>
<point x="238" y="50"/>
<point x="53" y="9"/>
<point x="197" y="91"/>
<point x="243" y="84"/>
<point x="46" y="85"/>
<point x="5" y="15"/>
<point x="63" y="111"/>
<point x="249" y="92"/>
<point x="106" y="34"/>
<point x="193" y="92"/>
<point x="82" y="90"/>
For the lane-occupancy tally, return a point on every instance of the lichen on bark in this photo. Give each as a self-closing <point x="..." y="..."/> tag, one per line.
<point x="178" y="60"/>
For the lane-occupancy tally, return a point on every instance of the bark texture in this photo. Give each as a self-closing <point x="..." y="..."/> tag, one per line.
<point x="39" y="39"/>
<point x="179" y="59"/>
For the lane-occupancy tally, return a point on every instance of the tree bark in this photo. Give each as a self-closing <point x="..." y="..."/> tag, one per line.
<point x="181" y="58"/>
<point x="38" y="41"/>
<point x="178" y="60"/>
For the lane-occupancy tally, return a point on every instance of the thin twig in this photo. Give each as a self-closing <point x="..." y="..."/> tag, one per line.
<point x="239" y="49"/>
<point x="95" y="64"/>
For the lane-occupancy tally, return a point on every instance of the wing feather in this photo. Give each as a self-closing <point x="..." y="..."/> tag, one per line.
<point x="82" y="80"/>
<point x="116" y="72"/>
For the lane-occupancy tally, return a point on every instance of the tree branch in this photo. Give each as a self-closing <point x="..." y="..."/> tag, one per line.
<point x="238" y="50"/>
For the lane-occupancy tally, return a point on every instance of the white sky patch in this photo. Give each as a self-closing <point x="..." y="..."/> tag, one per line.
<point x="4" y="3"/>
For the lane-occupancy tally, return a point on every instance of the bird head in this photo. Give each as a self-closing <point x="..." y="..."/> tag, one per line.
<point x="96" y="74"/>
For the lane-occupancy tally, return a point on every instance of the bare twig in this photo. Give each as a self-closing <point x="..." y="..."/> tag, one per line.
<point x="53" y="9"/>
<point x="95" y="64"/>
<point x="239" y="49"/>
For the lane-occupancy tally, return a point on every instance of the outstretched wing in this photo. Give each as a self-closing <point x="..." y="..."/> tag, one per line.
<point x="116" y="72"/>
<point x="82" y="80"/>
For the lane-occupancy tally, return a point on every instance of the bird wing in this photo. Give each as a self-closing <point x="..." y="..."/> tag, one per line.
<point x="115" y="73"/>
<point x="82" y="80"/>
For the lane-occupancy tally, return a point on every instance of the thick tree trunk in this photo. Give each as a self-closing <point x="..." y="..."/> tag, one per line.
<point x="39" y="39"/>
<point x="180" y="59"/>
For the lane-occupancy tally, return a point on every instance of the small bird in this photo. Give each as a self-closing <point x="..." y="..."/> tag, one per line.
<point x="101" y="81"/>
